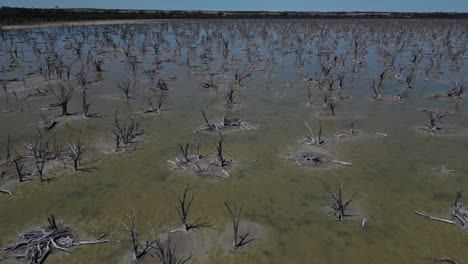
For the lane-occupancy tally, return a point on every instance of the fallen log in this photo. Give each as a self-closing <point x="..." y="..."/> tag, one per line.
<point x="6" y="192"/>
<point x="434" y="218"/>
<point x="345" y="163"/>
<point x="445" y="259"/>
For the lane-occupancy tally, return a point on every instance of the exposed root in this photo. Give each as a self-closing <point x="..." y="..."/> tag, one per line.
<point x="39" y="243"/>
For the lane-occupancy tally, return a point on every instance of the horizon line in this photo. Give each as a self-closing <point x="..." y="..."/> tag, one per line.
<point x="208" y="10"/>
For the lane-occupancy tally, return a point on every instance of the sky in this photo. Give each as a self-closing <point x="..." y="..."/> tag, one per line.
<point x="257" y="5"/>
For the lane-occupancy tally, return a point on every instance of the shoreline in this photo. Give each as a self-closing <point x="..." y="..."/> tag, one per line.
<point x="80" y="23"/>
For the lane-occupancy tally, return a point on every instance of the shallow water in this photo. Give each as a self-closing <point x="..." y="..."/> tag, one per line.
<point x="392" y="175"/>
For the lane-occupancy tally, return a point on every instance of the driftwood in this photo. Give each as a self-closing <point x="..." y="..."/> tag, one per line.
<point x="422" y="213"/>
<point x="459" y="213"/>
<point x="344" y="163"/>
<point x="39" y="243"/>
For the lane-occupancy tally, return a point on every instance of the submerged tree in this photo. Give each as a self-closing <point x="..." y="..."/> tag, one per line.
<point x="76" y="151"/>
<point x="166" y="251"/>
<point x="239" y="240"/>
<point x="338" y="205"/>
<point x="185" y="203"/>
<point x="63" y="96"/>
<point x="131" y="233"/>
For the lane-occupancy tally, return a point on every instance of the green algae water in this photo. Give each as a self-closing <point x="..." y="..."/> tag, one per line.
<point x="286" y="205"/>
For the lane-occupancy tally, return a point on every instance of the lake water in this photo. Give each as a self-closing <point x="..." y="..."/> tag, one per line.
<point x="286" y="204"/>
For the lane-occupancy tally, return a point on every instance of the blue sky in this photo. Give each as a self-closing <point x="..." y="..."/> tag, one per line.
<point x="268" y="5"/>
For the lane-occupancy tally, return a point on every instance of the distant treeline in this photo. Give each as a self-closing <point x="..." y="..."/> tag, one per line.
<point x="11" y="15"/>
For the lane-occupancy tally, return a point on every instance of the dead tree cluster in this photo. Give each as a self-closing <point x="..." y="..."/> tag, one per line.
<point x="126" y="131"/>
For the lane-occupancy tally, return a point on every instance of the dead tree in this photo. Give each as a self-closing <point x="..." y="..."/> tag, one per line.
<point x="230" y="103"/>
<point x="98" y="64"/>
<point x="435" y="117"/>
<point x="219" y="151"/>
<point x="63" y="96"/>
<point x="408" y="80"/>
<point x="125" y="131"/>
<point x="331" y="108"/>
<point x="377" y="91"/>
<point x="311" y="139"/>
<point x="161" y="85"/>
<point x="382" y="76"/>
<point x="57" y="150"/>
<point x="166" y="252"/>
<point x="309" y="94"/>
<point x="197" y="141"/>
<point x="185" y="202"/>
<point x="131" y="233"/>
<point x="184" y="152"/>
<point x="40" y="164"/>
<point x="82" y="79"/>
<point x="76" y="151"/>
<point x="151" y="108"/>
<point x="39" y="147"/>
<point x="338" y="206"/>
<point x="239" y="240"/>
<point x="19" y="166"/>
<point x="239" y="76"/>
<point x="456" y="92"/>
<point x="41" y="153"/>
<point x="4" y="84"/>
<point x="459" y="212"/>
<point x="341" y="78"/>
<point x="126" y="86"/>
<point x="209" y="126"/>
<point x="9" y="148"/>
<point x="48" y="124"/>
